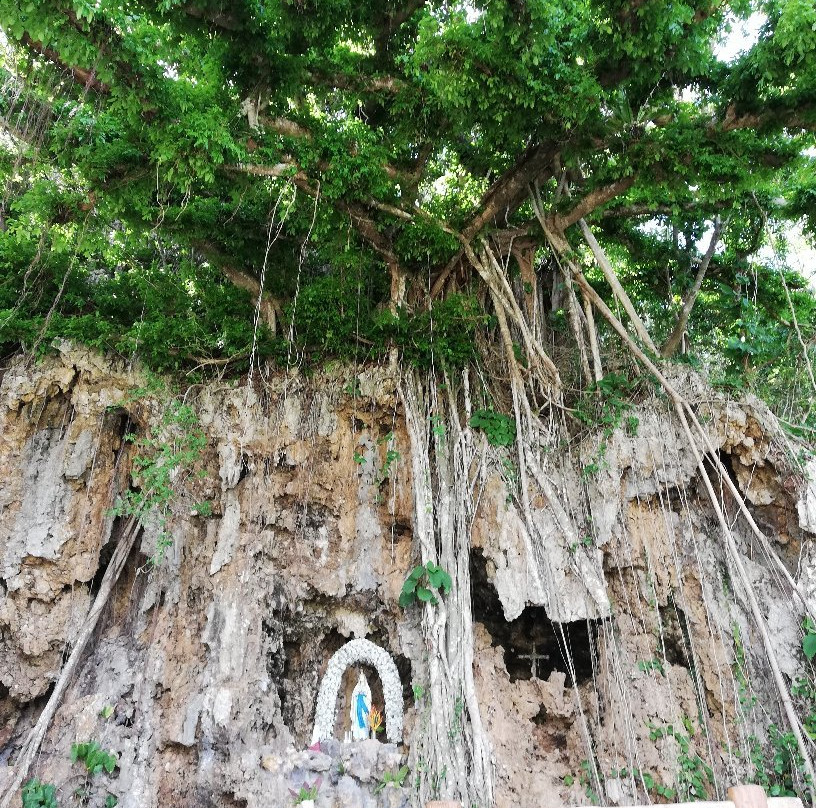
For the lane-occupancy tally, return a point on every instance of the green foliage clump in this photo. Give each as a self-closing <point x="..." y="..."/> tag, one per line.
<point x="499" y="429"/>
<point x="650" y="784"/>
<point x="446" y="336"/>
<point x="786" y="766"/>
<point x="187" y="316"/>
<point x="336" y="317"/>
<point x="95" y="758"/>
<point x="174" y="447"/>
<point x="97" y="761"/>
<point x="694" y="774"/>
<point x="778" y="765"/>
<point x="605" y="402"/>
<point x="604" y="405"/>
<point x="396" y="778"/>
<point x="421" y="584"/>
<point x="39" y="795"/>
<point x="173" y="318"/>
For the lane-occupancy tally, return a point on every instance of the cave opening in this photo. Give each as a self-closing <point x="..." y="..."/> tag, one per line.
<point x="534" y="646"/>
<point x="675" y="634"/>
<point x="727" y="461"/>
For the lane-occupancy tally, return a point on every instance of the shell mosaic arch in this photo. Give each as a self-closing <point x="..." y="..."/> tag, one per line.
<point x="359" y="650"/>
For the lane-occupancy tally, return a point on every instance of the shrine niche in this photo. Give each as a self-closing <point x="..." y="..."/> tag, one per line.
<point x="533" y="645"/>
<point x="353" y="652"/>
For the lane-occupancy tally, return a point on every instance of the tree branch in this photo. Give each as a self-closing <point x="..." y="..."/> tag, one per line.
<point x="649" y="209"/>
<point x="284" y="169"/>
<point x="391" y="21"/>
<point x="803" y="117"/>
<point x="285" y="127"/>
<point x="217" y="19"/>
<point x="366" y="84"/>
<point x="510" y="187"/>
<point x="382" y="245"/>
<point x="82" y="76"/>
<point x="594" y="199"/>
<point x="289" y="128"/>
<point x="676" y="337"/>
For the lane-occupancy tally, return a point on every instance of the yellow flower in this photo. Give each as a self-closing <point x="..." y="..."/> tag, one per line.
<point x="375" y="720"/>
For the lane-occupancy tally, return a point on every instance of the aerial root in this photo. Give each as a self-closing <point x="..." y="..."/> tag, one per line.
<point x="32" y="744"/>
<point x="686" y="415"/>
<point x="452" y="743"/>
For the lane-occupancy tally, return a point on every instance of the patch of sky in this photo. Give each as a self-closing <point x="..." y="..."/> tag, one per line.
<point x="738" y="36"/>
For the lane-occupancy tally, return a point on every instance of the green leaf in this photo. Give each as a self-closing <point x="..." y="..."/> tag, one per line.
<point x="426" y="596"/>
<point x="436" y="577"/>
<point x="440" y="580"/>
<point x="809" y="646"/>
<point x="416" y="574"/>
<point x="406" y="599"/>
<point x="409" y="586"/>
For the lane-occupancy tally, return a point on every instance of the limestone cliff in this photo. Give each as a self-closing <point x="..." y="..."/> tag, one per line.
<point x="203" y="674"/>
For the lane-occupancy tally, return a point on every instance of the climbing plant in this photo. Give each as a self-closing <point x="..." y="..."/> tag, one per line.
<point x="161" y="455"/>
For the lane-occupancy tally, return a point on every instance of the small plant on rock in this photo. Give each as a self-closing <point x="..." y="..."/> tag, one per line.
<point x="39" y="795"/>
<point x="392" y="778"/>
<point x="421" y="584"/>
<point x="499" y="429"/>
<point x="306" y="792"/>
<point x="95" y="758"/>
<point x="648" y="665"/>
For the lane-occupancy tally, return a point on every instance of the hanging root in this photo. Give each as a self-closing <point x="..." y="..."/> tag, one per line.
<point x="444" y="509"/>
<point x="542" y="368"/>
<point x="441" y="539"/>
<point x="35" y="738"/>
<point x="452" y="745"/>
<point x="575" y="323"/>
<point x="593" y="340"/>
<point x="686" y="415"/>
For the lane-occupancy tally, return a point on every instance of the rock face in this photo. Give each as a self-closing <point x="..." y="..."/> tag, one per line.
<point x="204" y="672"/>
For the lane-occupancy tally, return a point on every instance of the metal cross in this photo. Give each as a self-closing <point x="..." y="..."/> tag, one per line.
<point x="534" y="657"/>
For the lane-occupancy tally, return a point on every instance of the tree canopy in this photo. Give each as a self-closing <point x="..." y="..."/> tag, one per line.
<point x="409" y="175"/>
<point x="555" y="193"/>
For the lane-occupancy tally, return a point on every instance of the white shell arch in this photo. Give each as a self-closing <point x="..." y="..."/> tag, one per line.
<point x="359" y="650"/>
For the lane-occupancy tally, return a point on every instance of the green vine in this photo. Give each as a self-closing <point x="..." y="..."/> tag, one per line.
<point x="604" y="405"/>
<point x="160" y="457"/>
<point x="694" y="774"/>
